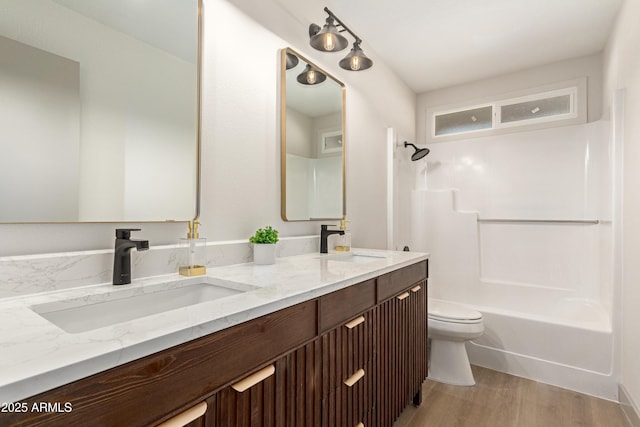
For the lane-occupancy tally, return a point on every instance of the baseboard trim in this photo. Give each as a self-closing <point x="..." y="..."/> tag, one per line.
<point x="628" y="407"/>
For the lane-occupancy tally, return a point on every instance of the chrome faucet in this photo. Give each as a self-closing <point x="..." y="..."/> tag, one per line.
<point x="324" y="235"/>
<point x="122" y="254"/>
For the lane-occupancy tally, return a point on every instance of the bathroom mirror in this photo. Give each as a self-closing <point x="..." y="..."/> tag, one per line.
<point x="312" y="141"/>
<point x="99" y="110"/>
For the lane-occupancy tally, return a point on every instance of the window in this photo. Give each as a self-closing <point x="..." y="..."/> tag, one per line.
<point x="464" y="121"/>
<point x="542" y="107"/>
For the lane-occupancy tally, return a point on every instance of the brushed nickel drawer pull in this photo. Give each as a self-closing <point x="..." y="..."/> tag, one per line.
<point x="416" y="288"/>
<point x="254" y="379"/>
<point x="403" y="296"/>
<point x="349" y="382"/>
<point x="355" y="322"/>
<point x="187" y="416"/>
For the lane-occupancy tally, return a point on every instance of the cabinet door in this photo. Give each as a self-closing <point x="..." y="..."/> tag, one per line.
<point x="280" y="394"/>
<point x="417" y="341"/>
<point x="402" y="351"/>
<point x="392" y="354"/>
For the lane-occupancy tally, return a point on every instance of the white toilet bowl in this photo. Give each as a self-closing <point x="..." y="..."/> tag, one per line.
<point x="450" y="326"/>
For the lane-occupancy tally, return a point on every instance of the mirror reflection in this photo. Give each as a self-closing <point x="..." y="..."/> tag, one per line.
<point x="312" y="139"/>
<point x="98" y="110"/>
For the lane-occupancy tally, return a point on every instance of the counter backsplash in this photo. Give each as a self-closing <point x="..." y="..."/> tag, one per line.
<point x="33" y="274"/>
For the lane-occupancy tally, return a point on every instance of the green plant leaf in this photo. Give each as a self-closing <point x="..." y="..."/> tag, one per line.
<point x="265" y="235"/>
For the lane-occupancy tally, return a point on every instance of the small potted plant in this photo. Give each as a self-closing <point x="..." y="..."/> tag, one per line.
<point x="264" y="245"/>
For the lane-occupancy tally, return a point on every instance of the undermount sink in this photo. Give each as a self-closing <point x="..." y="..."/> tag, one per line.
<point x="356" y="257"/>
<point x="86" y="314"/>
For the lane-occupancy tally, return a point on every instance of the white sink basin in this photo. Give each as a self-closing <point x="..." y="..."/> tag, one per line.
<point x="85" y="314"/>
<point x="356" y="257"/>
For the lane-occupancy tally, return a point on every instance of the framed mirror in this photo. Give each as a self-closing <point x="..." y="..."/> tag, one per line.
<point x="99" y="110"/>
<point x="312" y="141"/>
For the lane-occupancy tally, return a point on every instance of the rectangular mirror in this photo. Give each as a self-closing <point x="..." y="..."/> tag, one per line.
<point x="99" y="110"/>
<point x="312" y="141"/>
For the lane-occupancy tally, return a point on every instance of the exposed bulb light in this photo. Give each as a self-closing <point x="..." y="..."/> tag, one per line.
<point x="329" y="44"/>
<point x="356" y="60"/>
<point x="327" y="39"/>
<point x="355" y="63"/>
<point x="311" y="76"/>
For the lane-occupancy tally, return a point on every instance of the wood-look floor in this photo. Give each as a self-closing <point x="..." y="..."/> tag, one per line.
<point x="502" y="400"/>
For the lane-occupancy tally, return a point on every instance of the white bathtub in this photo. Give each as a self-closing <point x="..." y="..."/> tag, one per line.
<point x="567" y="343"/>
<point x="543" y="290"/>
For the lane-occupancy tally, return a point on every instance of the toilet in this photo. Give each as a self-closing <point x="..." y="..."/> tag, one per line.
<point x="450" y="326"/>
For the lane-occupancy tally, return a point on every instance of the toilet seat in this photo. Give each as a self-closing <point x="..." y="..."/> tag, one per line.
<point x="452" y="313"/>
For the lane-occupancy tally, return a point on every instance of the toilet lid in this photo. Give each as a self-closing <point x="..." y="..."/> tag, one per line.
<point x="448" y="312"/>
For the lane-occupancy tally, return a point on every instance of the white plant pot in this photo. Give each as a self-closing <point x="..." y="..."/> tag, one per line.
<point x="264" y="253"/>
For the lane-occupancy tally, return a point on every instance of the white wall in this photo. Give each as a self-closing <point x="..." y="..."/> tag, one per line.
<point x="241" y="145"/>
<point x="622" y="71"/>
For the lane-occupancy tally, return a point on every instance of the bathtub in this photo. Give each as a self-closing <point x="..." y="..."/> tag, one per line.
<point x="544" y="291"/>
<point x="564" y="342"/>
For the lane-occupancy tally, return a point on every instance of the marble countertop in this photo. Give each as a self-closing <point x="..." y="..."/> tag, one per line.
<point x="37" y="355"/>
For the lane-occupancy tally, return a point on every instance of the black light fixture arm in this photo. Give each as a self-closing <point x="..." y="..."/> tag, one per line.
<point x="345" y="28"/>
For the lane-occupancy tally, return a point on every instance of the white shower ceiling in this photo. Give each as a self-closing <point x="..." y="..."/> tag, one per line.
<point x="438" y="43"/>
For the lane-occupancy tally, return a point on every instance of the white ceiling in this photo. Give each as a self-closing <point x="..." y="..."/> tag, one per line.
<point x="439" y="43"/>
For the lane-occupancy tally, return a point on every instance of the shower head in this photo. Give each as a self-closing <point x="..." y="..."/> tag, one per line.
<point x="419" y="153"/>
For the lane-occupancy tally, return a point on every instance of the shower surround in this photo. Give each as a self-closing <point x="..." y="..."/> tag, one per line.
<point x="519" y="227"/>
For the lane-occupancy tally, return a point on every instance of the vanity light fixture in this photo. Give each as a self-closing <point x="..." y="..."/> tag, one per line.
<point x="310" y="76"/>
<point x="329" y="39"/>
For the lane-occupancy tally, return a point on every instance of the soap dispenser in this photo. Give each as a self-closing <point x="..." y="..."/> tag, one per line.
<point x="193" y="252"/>
<point x="343" y="242"/>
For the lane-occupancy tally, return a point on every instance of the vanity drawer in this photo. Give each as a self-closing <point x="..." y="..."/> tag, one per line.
<point x="345" y="349"/>
<point x="396" y="281"/>
<point x="342" y="306"/>
<point x="353" y="401"/>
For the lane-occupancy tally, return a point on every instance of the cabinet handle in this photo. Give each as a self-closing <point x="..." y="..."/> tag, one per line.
<point x="349" y="382"/>
<point x="254" y="379"/>
<point x="403" y="296"/>
<point x="416" y="289"/>
<point x="355" y="322"/>
<point x="187" y="416"/>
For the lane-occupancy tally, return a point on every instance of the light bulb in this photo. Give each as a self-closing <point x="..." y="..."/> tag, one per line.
<point x="329" y="42"/>
<point x="311" y="77"/>
<point x="355" y="63"/>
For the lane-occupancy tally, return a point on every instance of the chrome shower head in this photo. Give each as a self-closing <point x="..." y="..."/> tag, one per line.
<point x="419" y="153"/>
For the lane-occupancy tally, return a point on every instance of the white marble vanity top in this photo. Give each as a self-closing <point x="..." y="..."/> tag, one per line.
<point x="36" y="355"/>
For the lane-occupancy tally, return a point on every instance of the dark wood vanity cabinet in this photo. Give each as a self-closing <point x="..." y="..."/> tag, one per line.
<point x="354" y="357"/>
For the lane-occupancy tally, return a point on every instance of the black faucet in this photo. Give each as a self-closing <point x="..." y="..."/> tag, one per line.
<point x="122" y="255"/>
<point x="324" y="234"/>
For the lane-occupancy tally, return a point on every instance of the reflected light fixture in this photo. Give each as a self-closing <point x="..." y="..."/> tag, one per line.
<point x="311" y="76"/>
<point x="292" y="60"/>
<point x="329" y="39"/>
